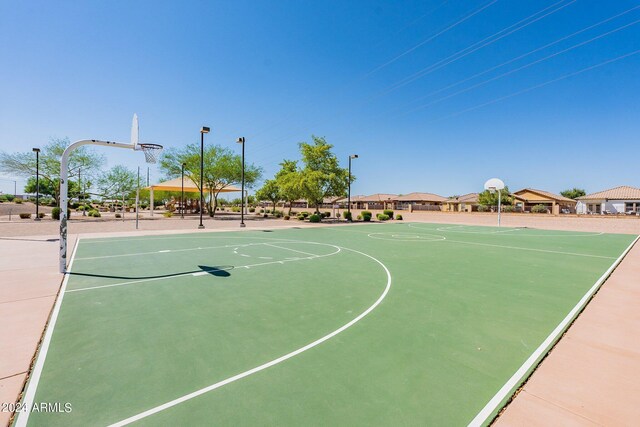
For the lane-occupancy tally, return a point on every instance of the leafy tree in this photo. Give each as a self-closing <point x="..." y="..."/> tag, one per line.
<point x="574" y="193"/>
<point x="321" y="175"/>
<point x="82" y="160"/>
<point x="117" y="183"/>
<point x="487" y="198"/>
<point x="270" y="191"/>
<point x="289" y="180"/>
<point x="222" y="169"/>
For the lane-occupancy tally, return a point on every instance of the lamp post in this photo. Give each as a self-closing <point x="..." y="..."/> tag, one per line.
<point x="242" y="224"/>
<point x="353" y="156"/>
<point x="37" y="151"/>
<point x="182" y="194"/>
<point x="202" y="132"/>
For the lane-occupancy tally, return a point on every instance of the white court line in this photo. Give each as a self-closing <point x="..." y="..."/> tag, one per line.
<point x="530" y="249"/>
<point x="34" y="379"/>
<point x="199" y="273"/>
<point x="293" y="250"/>
<point x="582" y="234"/>
<point x="264" y="366"/>
<point x="165" y="251"/>
<point x="519" y="375"/>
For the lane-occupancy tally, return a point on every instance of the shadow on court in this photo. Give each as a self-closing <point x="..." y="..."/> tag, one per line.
<point x="218" y="271"/>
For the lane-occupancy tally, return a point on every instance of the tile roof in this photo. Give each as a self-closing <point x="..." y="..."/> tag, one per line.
<point x="552" y="196"/>
<point x="378" y="197"/>
<point x="465" y="198"/>
<point x="420" y="197"/>
<point x="624" y="192"/>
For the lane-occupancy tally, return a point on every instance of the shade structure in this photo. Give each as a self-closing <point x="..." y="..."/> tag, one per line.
<point x="189" y="186"/>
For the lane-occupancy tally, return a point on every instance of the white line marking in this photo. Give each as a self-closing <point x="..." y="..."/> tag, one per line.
<point x="530" y="249"/>
<point x="293" y="250"/>
<point x="268" y="364"/>
<point x="165" y="251"/>
<point x="582" y="234"/>
<point x="519" y="375"/>
<point x="34" y="379"/>
<point x="200" y="273"/>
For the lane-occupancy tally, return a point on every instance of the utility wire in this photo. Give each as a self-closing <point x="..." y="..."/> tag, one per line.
<point x="515" y="70"/>
<point x="538" y="86"/>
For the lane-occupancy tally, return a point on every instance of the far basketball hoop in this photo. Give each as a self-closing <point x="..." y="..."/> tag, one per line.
<point x="493" y="185"/>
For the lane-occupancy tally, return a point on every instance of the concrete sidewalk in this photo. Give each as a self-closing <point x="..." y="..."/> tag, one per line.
<point x="591" y="376"/>
<point x="30" y="283"/>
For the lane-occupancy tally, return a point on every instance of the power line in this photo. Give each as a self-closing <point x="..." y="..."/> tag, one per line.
<point x="529" y="89"/>
<point x="527" y="54"/>
<point x="524" y="66"/>
<point x="433" y="37"/>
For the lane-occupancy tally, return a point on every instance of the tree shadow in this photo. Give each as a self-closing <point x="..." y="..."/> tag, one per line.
<point x="218" y="271"/>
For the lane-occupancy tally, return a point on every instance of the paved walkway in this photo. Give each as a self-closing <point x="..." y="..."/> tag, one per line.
<point x="592" y="376"/>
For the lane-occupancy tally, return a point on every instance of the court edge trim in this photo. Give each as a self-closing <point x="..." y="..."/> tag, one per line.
<point x="23" y="416"/>
<point x="268" y="364"/>
<point x="521" y="374"/>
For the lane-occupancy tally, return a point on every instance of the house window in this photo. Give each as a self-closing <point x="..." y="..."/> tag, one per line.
<point x="630" y="206"/>
<point x="594" y="208"/>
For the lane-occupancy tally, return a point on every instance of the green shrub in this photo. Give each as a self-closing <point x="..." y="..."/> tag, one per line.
<point x="382" y="217"/>
<point x="305" y="214"/>
<point x="359" y="218"/>
<point x="261" y="210"/>
<point x="41" y="215"/>
<point x="118" y="215"/>
<point x="80" y="208"/>
<point x="314" y="218"/>
<point x="167" y="214"/>
<point x="3" y="198"/>
<point x="74" y="205"/>
<point x="301" y="217"/>
<point x="18" y="201"/>
<point x="10" y="198"/>
<point x="278" y="214"/>
<point x="388" y="212"/>
<point x="508" y="208"/>
<point x="235" y="209"/>
<point x="293" y="213"/>
<point x="286" y="217"/>
<point x="347" y="215"/>
<point x="399" y="217"/>
<point x="55" y="213"/>
<point x="366" y="216"/>
<point x="483" y="208"/>
<point x="252" y="210"/>
<point x="327" y="214"/>
<point x="539" y="209"/>
<point x="25" y="215"/>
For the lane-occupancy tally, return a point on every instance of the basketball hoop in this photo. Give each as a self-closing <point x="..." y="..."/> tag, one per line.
<point x="151" y="151"/>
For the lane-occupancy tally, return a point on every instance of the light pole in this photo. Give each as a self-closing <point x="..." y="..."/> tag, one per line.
<point x="37" y="151"/>
<point x="353" y="156"/>
<point x="182" y="194"/>
<point x="202" y="132"/>
<point x="242" y="224"/>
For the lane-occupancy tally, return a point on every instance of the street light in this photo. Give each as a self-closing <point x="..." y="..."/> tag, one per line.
<point x="37" y="151"/>
<point x="202" y="132"/>
<point x="182" y="196"/>
<point x="353" y="156"/>
<point x="242" y="224"/>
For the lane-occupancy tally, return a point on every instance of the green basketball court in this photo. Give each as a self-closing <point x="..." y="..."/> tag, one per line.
<point x="380" y="324"/>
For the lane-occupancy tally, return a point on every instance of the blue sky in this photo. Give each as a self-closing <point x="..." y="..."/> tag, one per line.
<point x="389" y="81"/>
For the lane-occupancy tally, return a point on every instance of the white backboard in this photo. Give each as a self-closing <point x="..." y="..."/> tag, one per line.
<point x="494" y="184"/>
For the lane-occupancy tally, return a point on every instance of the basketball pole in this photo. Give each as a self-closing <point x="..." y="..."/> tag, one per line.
<point x="64" y="194"/>
<point x="499" y="200"/>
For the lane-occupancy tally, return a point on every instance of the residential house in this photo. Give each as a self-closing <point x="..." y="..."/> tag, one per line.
<point x="464" y="203"/>
<point x="420" y="202"/>
<point x="618" y="200"/>
<point x="525" y="199"/>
